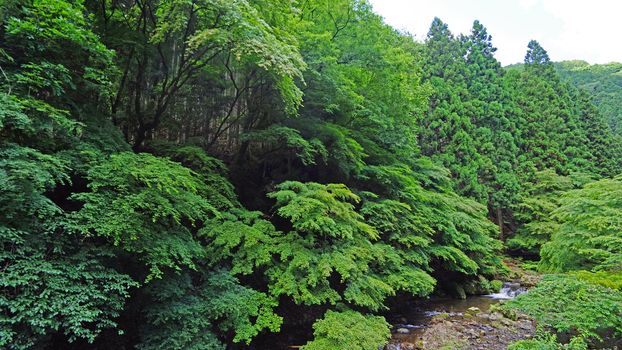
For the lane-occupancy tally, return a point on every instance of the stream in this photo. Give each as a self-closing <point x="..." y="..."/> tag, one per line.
<point x="415" y="317"/>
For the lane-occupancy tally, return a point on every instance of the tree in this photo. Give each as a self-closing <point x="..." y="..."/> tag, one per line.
<point x="169" y="46"/>
<point x="194" y="174"/>
<point x="326" y="252"/>
<point x="221" y="303"/>
<point x="52" y="282"/>
<point x="566" y="303"/>
<point x="446" y="134"/>
<point x="549" y="111"/>
<point x="588" y="236"/>
<point x="491" y="110"/>
<point x="534" y="212"/>
<point x="537" y="56"/>
<point x="602" y="82"/>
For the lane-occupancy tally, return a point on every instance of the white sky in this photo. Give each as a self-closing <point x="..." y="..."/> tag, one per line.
<point x="567" y="29"/>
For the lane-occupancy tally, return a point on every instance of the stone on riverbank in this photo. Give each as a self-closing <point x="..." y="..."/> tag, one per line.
<point x="475" y="330"/>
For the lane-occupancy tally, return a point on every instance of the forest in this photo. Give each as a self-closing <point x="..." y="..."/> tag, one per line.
<point x="261" y="174"/>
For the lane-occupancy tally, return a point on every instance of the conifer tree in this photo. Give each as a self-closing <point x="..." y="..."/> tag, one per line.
<point x="447" y="132"/>
<point x="491" y="110"/>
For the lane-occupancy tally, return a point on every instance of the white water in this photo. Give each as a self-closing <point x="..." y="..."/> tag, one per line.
<point x="508" y="291"/>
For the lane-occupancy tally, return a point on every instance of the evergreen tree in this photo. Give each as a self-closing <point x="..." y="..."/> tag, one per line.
<point x="447" y="132"/>
<point x="602" y="82"/>
<point x="492" y="111"/>
<point x="536" y="56"/>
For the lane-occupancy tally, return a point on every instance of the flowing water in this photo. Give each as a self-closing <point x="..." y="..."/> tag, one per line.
<point x="416" y="316"/>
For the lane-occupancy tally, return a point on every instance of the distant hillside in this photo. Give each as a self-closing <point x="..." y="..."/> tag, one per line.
<point x="603" y="81"/>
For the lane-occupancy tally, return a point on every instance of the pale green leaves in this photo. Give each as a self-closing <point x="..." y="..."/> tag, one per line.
<point x="147" y="205"/>
<point x="242" y="236"/>
<point x="589" y="231"/>
<point x="323" y="210"/>
<point x="567" y="303"/>
<point x="204" y="29"/>
<point x="349" y="330"/>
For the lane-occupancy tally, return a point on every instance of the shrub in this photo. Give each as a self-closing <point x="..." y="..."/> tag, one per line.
<point x="567" y="303"/>
<point x="548" y="341"/>
<point x="349" y="330"/>
<point x="609" y="279"/>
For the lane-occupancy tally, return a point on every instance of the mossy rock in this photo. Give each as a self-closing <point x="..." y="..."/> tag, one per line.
<point x="439" y="318"/>
<point x="460" y="292"/>
<point x="472" y="311"/>
<point x="510" y="313"/>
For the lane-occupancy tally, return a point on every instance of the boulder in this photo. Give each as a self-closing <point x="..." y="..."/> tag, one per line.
<point x="472" y="311"/>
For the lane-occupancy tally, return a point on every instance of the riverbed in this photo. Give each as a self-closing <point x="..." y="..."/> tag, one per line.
<point x="468" y="324"/>
<point x="416" y="316"/>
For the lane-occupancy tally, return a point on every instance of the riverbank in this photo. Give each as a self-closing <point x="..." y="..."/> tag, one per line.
<point x="473" y="330"/>
<point x="471" y="323"/>
<point x="474" y="323"/>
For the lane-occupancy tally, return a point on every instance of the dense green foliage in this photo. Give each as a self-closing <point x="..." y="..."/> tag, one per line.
<point x="202" y="174"/>
<point x="609" y="279"/>
<point x="547" y="341"/>
<point x="541" y="198"/>
<point x="349" y="329"/>
<point x="185" y="314"/>
<point x="603" y="82"/>
<point x="589" y="235"/>
<point x="566" y="303"/>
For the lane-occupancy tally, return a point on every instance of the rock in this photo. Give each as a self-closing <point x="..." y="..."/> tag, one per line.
<point x="497" y="325"/>
<point x="495" y="316"/>
<point x="471" y="333"/>
<point x="460" y="293"/>
<point x="400" y="346"/>
<point x="408" y="346"/>
<point x="472" y="311"/>
<point x="403" y="330"/>
<point x="439" y="318"/>
<point x="506" y="322"/>
<point x="487" y="328"/>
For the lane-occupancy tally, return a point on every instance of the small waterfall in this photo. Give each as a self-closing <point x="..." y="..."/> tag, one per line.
<point x="509" y="290"/>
